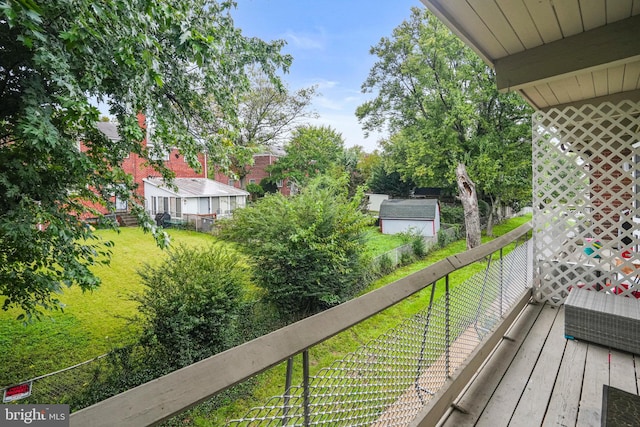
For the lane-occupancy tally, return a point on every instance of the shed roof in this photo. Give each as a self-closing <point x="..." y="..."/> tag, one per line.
<point x="409" y="209"/>
<point x="197" y="187"/>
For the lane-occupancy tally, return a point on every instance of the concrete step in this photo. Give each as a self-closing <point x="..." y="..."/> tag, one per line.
<point x="127" y="220"/>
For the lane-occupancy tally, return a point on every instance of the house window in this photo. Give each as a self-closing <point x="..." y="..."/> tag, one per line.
<point x="157" y="154"/>
<point x="179" y="207"/>
<point x="232" y="203"/>
<point x="280" y="183"/>
<point x="232" y="182"/>
<point x="172" y="204"/>
<point x="154" y="205"/>
<point x="252" y="181"/>
<point x="204" y="207"/>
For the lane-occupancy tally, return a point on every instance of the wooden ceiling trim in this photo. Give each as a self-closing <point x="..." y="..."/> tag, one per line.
<point x="568" y="13"/>
<point x="546" y="92"/>
<point x="534" y="98"/>
<point x="446" y="12"/>
<point x="594" y="14"/>
<point x="611" y="45"/>
<point x="618" y="10"/>
<point x="631" y="76"/>
<point x="516" y="12"/>
<point x="600" y="82"/>
<point x="545" y="19"/>
<point x="494" y="19"/>
<point x="585" y="82"/>
<point x="615" y="98"/>
<point x="615" y="77"/>
<point x="562" y="91"/>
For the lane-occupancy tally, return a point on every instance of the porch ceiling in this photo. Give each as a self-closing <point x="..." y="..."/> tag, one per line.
<point x="555" y="53"/>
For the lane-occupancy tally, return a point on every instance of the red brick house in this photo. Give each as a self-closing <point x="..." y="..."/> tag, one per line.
<point x="138" y="167"/>
<point x="257" y="172"/>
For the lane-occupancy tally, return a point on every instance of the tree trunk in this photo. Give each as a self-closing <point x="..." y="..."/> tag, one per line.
<point x="493" y="213"/>
<point x="469" y="198"/>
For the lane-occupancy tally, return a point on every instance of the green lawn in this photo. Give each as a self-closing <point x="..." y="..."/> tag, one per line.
<point x="378" y="243"/>
<point x="95" y="322"/>
<point x="271" y="383"/>
<point x="92" y="323"/>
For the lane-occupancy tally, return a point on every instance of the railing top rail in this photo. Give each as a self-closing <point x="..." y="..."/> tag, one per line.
<point x="160" y="399"/>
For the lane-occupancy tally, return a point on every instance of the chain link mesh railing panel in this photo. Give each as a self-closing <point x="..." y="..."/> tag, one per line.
<point x="585" y="198"/>
<point x="61" y="386"/>
<point x="387" y="381"/>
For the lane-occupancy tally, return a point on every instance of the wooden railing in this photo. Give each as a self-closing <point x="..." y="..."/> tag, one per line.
<point x="160" y="399"/>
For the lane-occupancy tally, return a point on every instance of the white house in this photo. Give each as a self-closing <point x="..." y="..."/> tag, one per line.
<point x="401" y="215"/>
<point x="192" y="196"/>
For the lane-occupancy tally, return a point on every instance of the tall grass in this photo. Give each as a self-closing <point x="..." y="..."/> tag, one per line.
<point x="92" y="323"/>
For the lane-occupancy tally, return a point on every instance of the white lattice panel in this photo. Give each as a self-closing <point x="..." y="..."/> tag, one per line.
<point x="585" y="198"/>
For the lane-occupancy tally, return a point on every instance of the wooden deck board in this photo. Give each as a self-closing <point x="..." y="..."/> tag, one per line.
<point x="596" y="373"/>
<point x="506" y="397"/>
<point x="565" y="397"/>
<point x="621" y="364"/>
<point x="530" y="409"/>
<point x="543" y="379"/>
<point x="477" y="395"/>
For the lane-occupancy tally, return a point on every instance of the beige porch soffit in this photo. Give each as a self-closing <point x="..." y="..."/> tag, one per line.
<point x="615" y="98"/>
<point x="604" y="47"/>
<point x="553" y="53"/>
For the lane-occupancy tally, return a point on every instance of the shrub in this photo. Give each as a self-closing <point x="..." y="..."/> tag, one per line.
<point x="413" y="237"/>
<point x="255" y="190"/>
<point x="419" y="246"/>
<point x="268" y="186"/>
<point x="192" y="301"/>
<point x="122" y="369"/>
<point x="448" y="234"/>
<point x="483" y="208"/>
<point x="308" y="247"/>
<point x="406" y="258"/>
<point x="452" y="214"/>
<point x="385" y="264"/>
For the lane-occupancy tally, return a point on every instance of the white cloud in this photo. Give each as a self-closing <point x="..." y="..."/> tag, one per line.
<point x="348" y="126"/>
<point x="325" y="84"/>
<point x="306" y="41"/>
<point x="323" y="102"/>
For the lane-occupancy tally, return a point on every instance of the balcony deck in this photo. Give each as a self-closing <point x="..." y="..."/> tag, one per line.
<point x="537" y="377"/>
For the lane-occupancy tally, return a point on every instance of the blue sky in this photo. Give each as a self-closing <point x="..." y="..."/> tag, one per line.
<point x="329" y="41"/>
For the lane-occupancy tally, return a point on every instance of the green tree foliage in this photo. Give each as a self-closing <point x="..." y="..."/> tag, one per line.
<point x="367" y="162"/>
<point x="268" y="113"/>
<point x="191" y="302"/>
<point x="440" y="102"/>
<point x="307" y="248"/>
<point x="452" y="214"/>
<point x="392" y="183"/>
<point x="349" y="162"/>
<point x="255" y="190"/>
<point x="172" y="60"/>
<point x="311" y="151"/>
